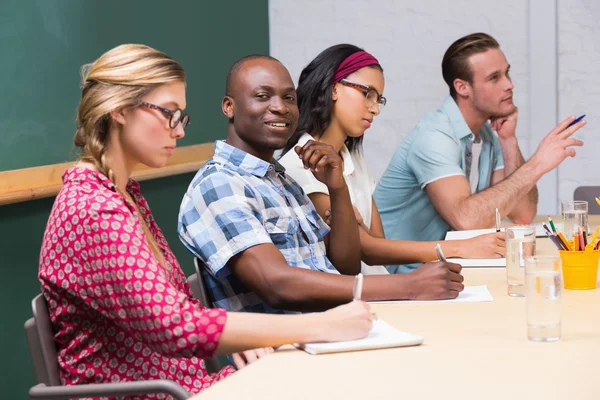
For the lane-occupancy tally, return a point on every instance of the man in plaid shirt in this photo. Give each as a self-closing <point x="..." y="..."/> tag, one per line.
<point x="264" y="246"/>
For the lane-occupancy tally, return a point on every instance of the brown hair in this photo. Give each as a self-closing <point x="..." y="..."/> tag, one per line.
<point x="119" y="79"/>
<point x="455" y="64"/>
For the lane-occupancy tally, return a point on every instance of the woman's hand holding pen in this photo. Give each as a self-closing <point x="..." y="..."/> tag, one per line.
<point x="491" y="245"/>
<point x="346" y="322"/>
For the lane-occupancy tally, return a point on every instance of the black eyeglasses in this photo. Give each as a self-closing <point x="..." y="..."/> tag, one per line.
<point x="175" y="116"/>
<point x="371" y="95"/>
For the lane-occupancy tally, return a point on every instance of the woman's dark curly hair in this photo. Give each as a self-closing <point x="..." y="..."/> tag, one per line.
<point x="314" y="94"/>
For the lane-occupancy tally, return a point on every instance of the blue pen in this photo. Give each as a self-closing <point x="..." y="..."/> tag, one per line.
<point x="576" y="121"/>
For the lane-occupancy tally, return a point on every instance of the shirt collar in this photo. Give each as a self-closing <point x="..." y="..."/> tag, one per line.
<point x="459" y="125"/>
<point x="240" y="160"/>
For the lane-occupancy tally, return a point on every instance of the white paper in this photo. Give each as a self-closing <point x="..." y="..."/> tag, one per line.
<point x="468" y="234"/>
<point x="479" y="262"/>
<point x="381" y="336"/>
<point x="471" y="294"/>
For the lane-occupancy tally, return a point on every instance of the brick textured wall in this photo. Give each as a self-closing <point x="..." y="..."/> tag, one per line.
<point x="579" y="89"/>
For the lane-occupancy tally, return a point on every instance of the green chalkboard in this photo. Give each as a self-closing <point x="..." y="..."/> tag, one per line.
<point x="21" y="229"/>
<point x="43" y="44"/>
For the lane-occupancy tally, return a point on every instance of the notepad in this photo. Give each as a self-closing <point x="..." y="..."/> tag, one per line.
<point x="482" y="262"/>
<point x="471" y="294"/>
<point x="468" y="234"/>
<point x="382" y="336"/>
<point x="479" y="262"/>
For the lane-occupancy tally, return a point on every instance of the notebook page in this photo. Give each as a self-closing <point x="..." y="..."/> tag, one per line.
<point x="471" y="294"/>
<point x="381" y="336"/>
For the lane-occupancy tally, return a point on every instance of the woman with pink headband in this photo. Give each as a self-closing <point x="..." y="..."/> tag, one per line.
<point x="339" y="94"/>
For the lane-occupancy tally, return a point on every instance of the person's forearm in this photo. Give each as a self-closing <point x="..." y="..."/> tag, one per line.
<point x="525" y="210"/>
<point x="378" y="251"/>
<point x="511" y="154"/>
<point x="297" y="289"/>
<point x="478" y="210"/>
<point x="381" y="251"/>
<point x="344" y="240"/>
<point x="244" y="331"/>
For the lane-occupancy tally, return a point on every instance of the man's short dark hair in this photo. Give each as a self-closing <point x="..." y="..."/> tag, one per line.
<point x="455" y="64"/>
<point x="238" y="65"/>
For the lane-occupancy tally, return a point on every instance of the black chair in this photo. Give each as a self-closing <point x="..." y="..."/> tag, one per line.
<point x="42" y="348"/>
<point x="589" y="194"/>
<point x="198" y="286"/>
<point x="198" y="289"/>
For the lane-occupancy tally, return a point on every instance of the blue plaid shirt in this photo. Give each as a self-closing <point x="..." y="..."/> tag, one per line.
<point x="237" y="201"/>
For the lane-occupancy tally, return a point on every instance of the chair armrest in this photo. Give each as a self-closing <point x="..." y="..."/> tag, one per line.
<point x="41" y="391"/>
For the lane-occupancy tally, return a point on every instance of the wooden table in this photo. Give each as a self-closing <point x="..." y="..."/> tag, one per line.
<point x="471" y="351"/>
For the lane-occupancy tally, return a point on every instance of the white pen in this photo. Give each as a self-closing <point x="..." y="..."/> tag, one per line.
<point x="497" y="220"/>
<point x="358" y="284"/>
<point x="439" y="252"/>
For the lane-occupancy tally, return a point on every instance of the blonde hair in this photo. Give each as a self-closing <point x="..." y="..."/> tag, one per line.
<point x="119" y="79"/>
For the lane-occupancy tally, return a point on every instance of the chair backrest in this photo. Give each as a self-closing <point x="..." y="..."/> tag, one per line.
<point x="44" y="354"/>
<point x="198" y="286"/>
<point x="589" y="194"/>
<point x="33" y="343"/>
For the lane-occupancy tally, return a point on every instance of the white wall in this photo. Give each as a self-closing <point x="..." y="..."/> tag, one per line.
<point x="579" y="89"/>
<point x="409" y="39"/>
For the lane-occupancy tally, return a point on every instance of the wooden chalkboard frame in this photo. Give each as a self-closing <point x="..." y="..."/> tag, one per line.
<point x="38" y="182"/>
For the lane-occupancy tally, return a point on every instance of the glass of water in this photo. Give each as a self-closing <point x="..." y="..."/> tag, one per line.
<point x="543" y="286"/>
<point x="574" y="216"/>
<point x="520" y="244"/>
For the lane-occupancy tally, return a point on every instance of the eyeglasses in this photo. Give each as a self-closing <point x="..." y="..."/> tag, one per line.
<point x="175" y="116"/>
<point x="371" y="95"/>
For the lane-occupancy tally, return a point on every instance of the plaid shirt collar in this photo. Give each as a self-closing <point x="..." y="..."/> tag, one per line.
<point x="239" y="160"/>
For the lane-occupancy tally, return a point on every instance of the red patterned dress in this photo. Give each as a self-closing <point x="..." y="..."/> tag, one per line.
<point x="117" y="313"/>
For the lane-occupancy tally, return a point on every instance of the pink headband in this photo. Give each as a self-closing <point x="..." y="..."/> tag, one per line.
<point x="353" y="63"/>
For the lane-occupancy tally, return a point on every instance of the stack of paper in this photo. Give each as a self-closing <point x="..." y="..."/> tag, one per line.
<point x="382" y="336"/>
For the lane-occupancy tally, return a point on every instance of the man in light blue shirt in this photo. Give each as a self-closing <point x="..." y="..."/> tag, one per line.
<point x="454" y="168"/>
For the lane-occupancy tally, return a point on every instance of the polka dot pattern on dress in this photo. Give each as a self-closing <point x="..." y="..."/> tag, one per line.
<point x="118" y="315"/>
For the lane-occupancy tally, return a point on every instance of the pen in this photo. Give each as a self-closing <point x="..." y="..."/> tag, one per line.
<point x="358" y="284"/>
<point x="563" y="240"/>
<point x="555" y="241"/>
<point x="552" y="225"/>
<point x="576" y="121"/>
<point x="546" y="228"/>
<point x="497" y="220"/>
<point x="439" y="252"/>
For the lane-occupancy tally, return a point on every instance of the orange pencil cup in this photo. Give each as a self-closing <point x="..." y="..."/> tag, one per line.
<point x="580" y="269"/>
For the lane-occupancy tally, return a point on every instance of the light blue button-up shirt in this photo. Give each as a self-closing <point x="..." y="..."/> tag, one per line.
<point x="433" y="150"/>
